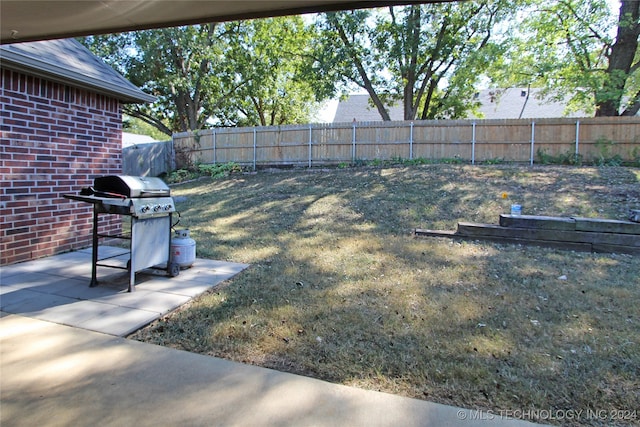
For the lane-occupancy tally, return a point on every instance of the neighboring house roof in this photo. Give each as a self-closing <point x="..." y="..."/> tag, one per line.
<point x="68" y="61"/>
<point x="495" y="104"/>
<point x="358" y="108"/>
<point x="509" y="103"/>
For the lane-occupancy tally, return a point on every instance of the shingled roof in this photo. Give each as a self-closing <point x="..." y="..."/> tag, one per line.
<point x="494" y="104"/>
<point x="68" y="61"/>
<point x="513" y="103"/>
<point x="358" y="108"/>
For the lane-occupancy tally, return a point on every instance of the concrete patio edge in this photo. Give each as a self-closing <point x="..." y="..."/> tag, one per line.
<point x="58" y="375"/>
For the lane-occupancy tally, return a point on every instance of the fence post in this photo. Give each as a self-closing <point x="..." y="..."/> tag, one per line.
<point x="533" y="139"/>
<point x="254" y="148"/>
<point x="215" y="158"/>
<point x="310" y="149"/>
<point x="353" y="143"/>
<point x="577" y="137"/>
<point x="332" y="141"/>
<point x="473" y="143"/>
<point x="411" y="142"/>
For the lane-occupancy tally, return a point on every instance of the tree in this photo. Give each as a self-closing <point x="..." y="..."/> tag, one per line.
<point x="427" y="56"/>
<point x="186" y="68"/>
<point x="568" y="48"/>
<point x="244" y="72"/>
<point x="623" y="64"/>
<point x="269" y="56"/>
<point x="181" y="66"/>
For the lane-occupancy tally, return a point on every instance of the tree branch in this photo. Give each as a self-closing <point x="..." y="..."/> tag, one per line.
<point x="358" y="64"/>
<point x="582" y="20"/>
<point x="134" y="111"/>
<point x="633" y="109"/>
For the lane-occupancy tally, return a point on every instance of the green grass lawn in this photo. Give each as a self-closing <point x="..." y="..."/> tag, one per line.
<point x="339" y="289"/>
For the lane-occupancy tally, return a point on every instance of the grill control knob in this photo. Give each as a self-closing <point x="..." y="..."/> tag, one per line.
<point x="145" y="208"/>
<point x="167" y="207"/>
<point x="156" y="208"/>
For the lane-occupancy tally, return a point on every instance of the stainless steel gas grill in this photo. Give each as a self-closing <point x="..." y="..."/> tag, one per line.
<point x="148" y="203"/>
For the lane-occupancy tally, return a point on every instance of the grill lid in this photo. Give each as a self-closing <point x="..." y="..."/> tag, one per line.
<point x="131" y="186"/>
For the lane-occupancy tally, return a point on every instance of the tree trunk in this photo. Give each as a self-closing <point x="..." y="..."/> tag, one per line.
<point x="623" y="51"/>
<point x="366" y="82"/>
<point x="411" y="65"/>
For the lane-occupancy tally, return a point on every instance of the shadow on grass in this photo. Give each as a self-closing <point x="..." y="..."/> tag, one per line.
<point x="338" y="289"/>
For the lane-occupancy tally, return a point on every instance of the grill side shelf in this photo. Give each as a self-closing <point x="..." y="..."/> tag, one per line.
<point x="110" y="205"/>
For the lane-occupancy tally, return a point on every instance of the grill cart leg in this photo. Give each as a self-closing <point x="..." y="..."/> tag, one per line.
<point x="94" y="251"/>
<point x="132" y="266"/>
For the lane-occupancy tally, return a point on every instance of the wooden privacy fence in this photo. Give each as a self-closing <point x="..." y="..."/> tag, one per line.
<point x="522" y="140"/>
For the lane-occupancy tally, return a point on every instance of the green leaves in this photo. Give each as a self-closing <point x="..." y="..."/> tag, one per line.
<point x="271" y="58"/>
<point x="246" y="72"/>
<point x="428" y="56"/>
<point x="572" y="47"/>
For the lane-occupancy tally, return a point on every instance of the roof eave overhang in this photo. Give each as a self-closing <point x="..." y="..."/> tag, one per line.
<point x="31" y="20"/>
<point x="29" y="65"/>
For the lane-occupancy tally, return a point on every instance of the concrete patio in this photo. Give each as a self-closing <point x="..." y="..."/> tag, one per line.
<point x="64" y="361"/>
<point x="56" y="289"/>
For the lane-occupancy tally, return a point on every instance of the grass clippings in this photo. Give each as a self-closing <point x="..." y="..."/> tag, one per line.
<point x="338" y="289"/>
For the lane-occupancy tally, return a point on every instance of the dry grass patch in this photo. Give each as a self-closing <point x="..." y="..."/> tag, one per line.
<point x="338" y="289"/>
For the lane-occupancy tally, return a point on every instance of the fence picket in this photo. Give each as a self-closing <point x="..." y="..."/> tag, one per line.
<point x="482" y="140"/>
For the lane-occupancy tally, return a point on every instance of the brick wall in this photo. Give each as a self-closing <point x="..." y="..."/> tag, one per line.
<point x="54" y="139"/>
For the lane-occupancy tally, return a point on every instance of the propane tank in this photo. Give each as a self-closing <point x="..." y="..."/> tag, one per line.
<point x="183" y="249"/>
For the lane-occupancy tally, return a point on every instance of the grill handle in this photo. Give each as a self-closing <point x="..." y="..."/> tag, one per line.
<point x="90" y="191"/>
<point x="156" y="192"/>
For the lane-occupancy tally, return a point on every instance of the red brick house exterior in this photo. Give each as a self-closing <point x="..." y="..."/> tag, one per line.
<point x="61" y="127"/>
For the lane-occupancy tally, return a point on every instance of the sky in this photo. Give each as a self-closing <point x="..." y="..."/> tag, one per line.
<point x="328" y="108"/>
